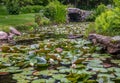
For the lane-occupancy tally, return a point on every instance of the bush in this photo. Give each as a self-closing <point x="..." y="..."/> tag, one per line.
<point x="56" y="12"/>
<point x="117" y="3"/>
<point x="41" y="2"/>
<point x="108" y="23"/>
<point x="13" y="6"/>
<point x="40" y="19"/>
<point x="27" y="27"/>
<point x="31" y="9"/>
<point x="98" y="11"/>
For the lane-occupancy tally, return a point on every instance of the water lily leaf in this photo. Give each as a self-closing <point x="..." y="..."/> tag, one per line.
<point x="48" y="72"/>
<point x="106" y="75"/>
<point x="100" y="70"/>
<point x="34" y="46"/>
<point x="51" y="80"/>
<point x="74" y="77"/>
<point x="64" y="80"/>
<point x="58" y="76"/>
<point x="23" y="81"/>
<point x="104" y="78"/>
<point x="117" y="70"/>
<point x="117" y="80"/>
<point x="95" y="55"/>
<point x="14" y="71"/>
<point x="41" y="60"/>
<point x="31" y="78"/>
<point x="78" y="61"/>
<point x="106" y="65"/>
<point x="117" y="74"/>
<point x="31" y="54"/>
<point x="64" y="70"/>
<point x="33" y="61"/>
<point x="13" y="68"/>
<point x="5" y="48"/>
<point x="91" y="81"/>
<point x="80" y="66"/>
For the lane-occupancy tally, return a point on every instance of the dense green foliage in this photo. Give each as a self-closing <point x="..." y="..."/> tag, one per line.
<point x="98" y="11"/>
<point x="108" y="23"/>
<point x="31" y="9"/>
<point x="41" y="2"/>
<point x="3" y="10"/>
<point x="56" y="12"/>
<point x="26" y="27"/>
<point x="13" y="6"/>
<point x="40" y="19"/>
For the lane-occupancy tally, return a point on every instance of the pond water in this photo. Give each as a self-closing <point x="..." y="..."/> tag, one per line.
<point x="57" y="54"/>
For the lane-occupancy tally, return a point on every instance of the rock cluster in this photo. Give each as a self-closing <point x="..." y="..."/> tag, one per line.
<point x="7" y="37"/>
<point x="111" y="44"/>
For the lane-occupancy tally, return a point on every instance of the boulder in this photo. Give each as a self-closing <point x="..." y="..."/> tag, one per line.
<point x="111" y="44"/>
<point x="3" y="35"/>
<point x="14" y="31"/>
<point x="8" y="37"/>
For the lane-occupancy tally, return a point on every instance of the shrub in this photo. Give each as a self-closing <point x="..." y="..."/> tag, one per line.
<point x="117" y="3"/>
<point x="108" y="23"/>
<point x="27" y="27"/>
<point x="98" y="11"/>
<point x="31" y="9"/>
<point x="40" y="19"/>
<point x="41" y="2"/>
<point x="13" y="6"/>
<point x="56" y="12"/>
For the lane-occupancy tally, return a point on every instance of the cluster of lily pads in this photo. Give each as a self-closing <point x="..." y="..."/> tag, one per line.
<point x="58" y="60"/>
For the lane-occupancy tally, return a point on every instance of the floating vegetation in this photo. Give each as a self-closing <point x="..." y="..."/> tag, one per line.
<point x="55" y="58"/>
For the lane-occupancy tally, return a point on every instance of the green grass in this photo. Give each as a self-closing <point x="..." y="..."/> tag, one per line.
<point x="13" y="20"/>
<point x="16" y="19"/>
<point x="3" y="10"/>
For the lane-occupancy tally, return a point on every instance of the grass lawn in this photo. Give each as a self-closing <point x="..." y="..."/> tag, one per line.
<point x="7" y="20"/>
<point x="13" y="20"/>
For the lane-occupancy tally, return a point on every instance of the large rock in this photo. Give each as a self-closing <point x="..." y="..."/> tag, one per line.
<point x="8" y="37"/>
<point x="3" y="35"/>
<point x="14" y="31"/>
<point x="76" y="14"/>
<point x="111" y="44"/>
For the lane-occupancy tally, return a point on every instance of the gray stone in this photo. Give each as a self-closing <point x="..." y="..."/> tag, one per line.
<point x="8" y="37"/>
<point x="14" y="31"/>
<point x="3" y="35"/>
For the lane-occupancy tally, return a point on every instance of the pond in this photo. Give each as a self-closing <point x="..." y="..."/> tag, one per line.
<point x="57" y="54"/>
